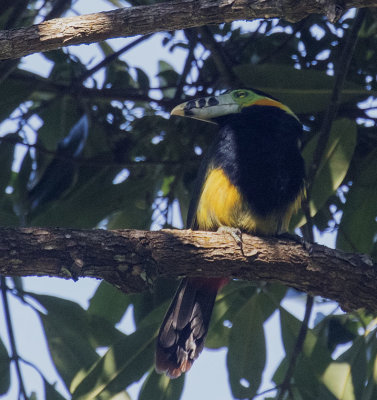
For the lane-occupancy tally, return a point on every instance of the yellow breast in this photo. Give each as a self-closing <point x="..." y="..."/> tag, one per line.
<point x="222" y="204"/>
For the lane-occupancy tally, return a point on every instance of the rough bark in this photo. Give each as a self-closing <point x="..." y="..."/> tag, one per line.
<point x="132" y="260"/>
<point x="168" y="16"/>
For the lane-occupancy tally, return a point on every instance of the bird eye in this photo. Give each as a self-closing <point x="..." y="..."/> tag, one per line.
<point x="240" y="94"/>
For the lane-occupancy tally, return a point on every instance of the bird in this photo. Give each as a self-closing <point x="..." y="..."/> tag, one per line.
<point x="251" y="180"/>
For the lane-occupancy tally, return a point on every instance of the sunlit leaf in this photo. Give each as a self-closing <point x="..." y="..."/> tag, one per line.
<point x="333" y="166"/>
<point x="160" y="387"/>
<point x="345" y="377"/>
<point x="124" y="363"/>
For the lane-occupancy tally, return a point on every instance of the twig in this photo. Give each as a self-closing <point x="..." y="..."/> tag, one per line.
<point x="12" y="340"/>
<point x="220" y="58"/>
<point x="45" y="85"/>
<point x="187" y="67"/>
<point x="297" y="349"/>
<point x="265" y="392"/>
<point x="112" y="57"/>
<point x="93" y="161"/>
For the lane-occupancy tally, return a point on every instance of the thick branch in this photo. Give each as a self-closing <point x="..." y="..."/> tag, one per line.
<point x="132" y="260"/>
<point x="171" y="15"/>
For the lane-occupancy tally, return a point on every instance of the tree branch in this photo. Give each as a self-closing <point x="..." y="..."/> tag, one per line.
<point x="132" y="260"/>
<point x="171" y="15"/>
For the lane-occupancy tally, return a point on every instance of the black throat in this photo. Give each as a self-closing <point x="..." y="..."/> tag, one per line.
<point x="258" y="150"/>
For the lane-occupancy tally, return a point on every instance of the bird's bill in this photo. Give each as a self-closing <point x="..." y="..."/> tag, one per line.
<point x="207" y="108"/>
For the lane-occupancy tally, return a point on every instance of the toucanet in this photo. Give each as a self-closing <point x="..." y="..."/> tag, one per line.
<point x="252" y="180"/>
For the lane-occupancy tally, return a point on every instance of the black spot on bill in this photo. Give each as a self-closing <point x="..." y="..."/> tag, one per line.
<point x="202" y="102"/>
<point x="212" y="101"/>
<point x="190" y="104"/>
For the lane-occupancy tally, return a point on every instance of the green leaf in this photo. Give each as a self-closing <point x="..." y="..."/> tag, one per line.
<point x="86" y="205"/>
<point x="335" y="161"/>
<point x="142" y="79"/>
<point x="4" y="369"/>
<point x="96" y="329"/>
<point x="370" y="392"/>
<point x="7" y="144"/>
<point x="247" y="350"/>
<point x="8" y="216"/>
<point x="118" y="75"/>
<point x="167" y="76"/>
<point x="15" y="91"/>
<point x="160" y="387"/>
<point x="303" y="90"/>
<point x="124" y="363"/>
<point x="311" y="362"/>
<point x="270" y="298"/>
<point x="109" y="303"/>
<point x="358" y="226"/>
<point x="290" y="327"/>
<point x="68" y="332"/>
<point x="228" y="303"/>
<point x="50" y="392"/>
<point x="59" y="175"/>
<point x="61" y="114"/>
<point x="20" y="182"/>
<point x="105" y="48"/>
<point x="160" y="298"/>
<point x="333" y="166"/>
<point x="345" y="377"/>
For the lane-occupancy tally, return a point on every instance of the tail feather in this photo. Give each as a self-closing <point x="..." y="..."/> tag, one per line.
<point x="184" y="329"/>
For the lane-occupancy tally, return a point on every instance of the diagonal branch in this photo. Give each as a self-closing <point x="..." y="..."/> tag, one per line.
<point x="285" y="385"/>
<point x="132" y="260"/>
<point x="171" y="15"/>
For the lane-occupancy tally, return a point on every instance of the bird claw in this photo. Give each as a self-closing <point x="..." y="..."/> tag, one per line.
<point x="235" y="233"/>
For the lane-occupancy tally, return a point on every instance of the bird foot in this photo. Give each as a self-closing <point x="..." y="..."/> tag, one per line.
<point x="298" y="239"/>
<point x="290" y="236"/>
<point x="235" y="233"/>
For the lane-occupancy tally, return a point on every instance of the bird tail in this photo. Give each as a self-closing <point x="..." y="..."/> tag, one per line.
<point x="184" y="329"/>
